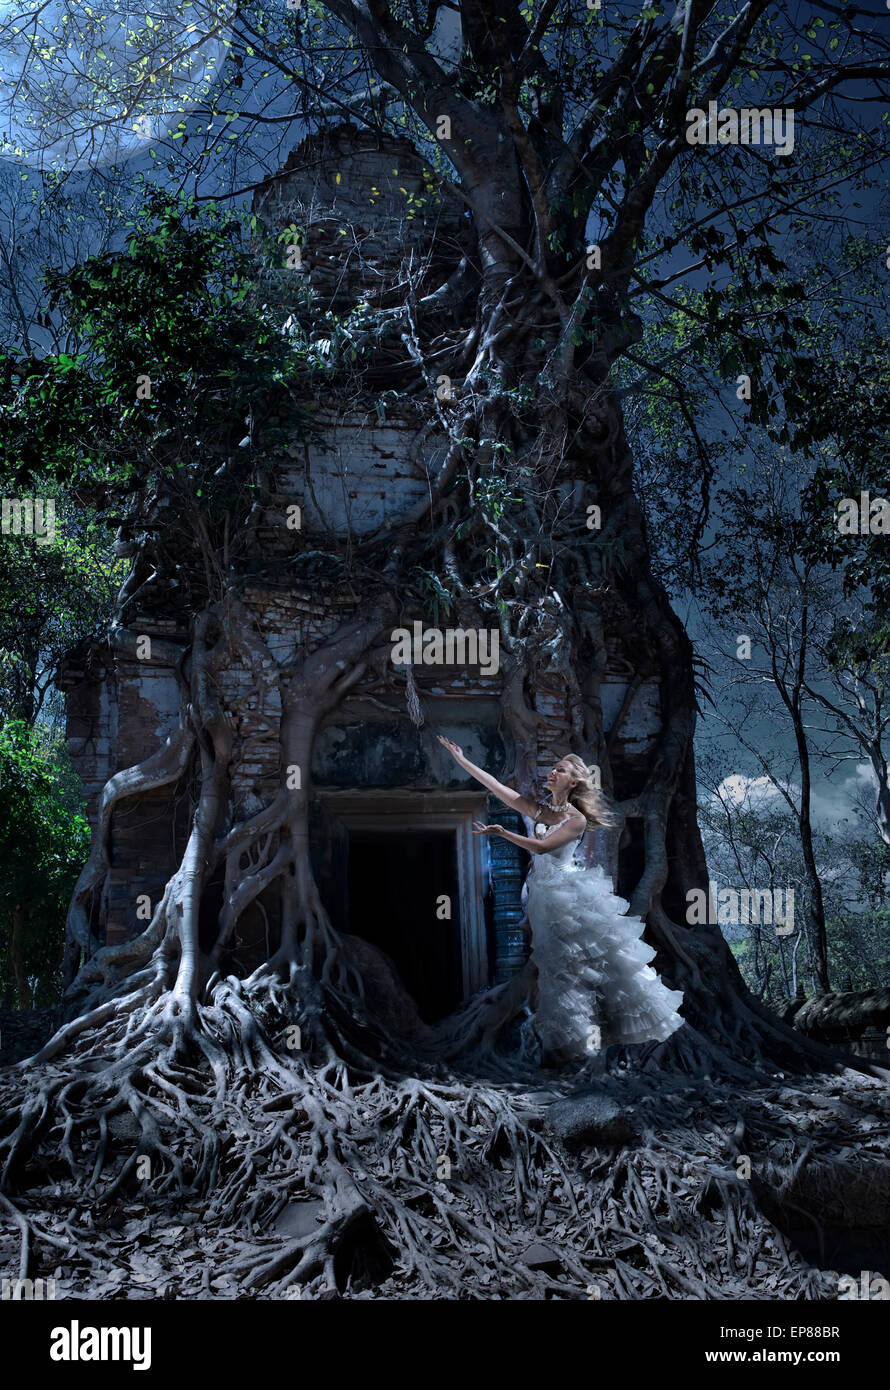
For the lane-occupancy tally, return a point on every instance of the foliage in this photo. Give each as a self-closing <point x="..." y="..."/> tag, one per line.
<point x="173" y="354"/>
<point x="855" y="462"/>
<point x="44" y="842"/>
<point x="51" y="596"/>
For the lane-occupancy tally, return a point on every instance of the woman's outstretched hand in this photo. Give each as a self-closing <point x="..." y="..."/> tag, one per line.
<point x="456" y="752"/>
<point x="480" y="829"/>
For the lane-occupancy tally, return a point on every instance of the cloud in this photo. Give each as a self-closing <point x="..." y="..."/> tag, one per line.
<point x="752" y="793"/>
<point x="831" y="802"/>
<point x="839" y="800"/>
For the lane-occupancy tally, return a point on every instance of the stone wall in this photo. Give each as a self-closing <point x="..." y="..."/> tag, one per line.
<point x="121" y="710"/>
<point x="366" y="213"/>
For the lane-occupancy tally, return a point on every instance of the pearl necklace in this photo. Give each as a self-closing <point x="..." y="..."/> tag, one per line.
<point x="563" y="807"/>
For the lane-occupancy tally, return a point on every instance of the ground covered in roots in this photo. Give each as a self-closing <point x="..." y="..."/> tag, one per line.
<point x="221" y="1162"/>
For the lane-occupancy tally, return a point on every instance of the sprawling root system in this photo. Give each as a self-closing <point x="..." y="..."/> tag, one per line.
<point x="274" y="1144"/>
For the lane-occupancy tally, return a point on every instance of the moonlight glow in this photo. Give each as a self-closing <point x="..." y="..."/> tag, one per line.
<point x="83" y="86"/>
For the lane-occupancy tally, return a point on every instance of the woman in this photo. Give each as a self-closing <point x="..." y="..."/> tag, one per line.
<point x="595" y="986"/>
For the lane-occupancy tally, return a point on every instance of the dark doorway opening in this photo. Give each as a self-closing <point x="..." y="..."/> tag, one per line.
<point x="394" y="881"/>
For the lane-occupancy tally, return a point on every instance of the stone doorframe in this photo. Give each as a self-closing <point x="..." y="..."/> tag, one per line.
<point x="389" y="811"/>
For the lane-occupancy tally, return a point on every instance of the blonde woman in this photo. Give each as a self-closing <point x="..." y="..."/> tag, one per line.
<point x="595" y="984"/>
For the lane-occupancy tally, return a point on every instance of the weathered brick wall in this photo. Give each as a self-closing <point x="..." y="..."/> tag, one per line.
<point x="365" y="210"/>
<point x="368" y="472"/>
<point x="367" y="742"/>
<point x="92" y="725"/>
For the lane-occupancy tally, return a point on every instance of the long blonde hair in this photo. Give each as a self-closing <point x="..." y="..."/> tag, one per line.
<point x="590" y="800"/>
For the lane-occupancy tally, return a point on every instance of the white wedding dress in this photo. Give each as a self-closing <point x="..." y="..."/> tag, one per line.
<point x="595" y="986"/>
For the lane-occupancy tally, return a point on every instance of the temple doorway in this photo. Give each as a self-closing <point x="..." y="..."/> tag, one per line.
<point x="403" y="896"/>
<point x="386" y="860"/>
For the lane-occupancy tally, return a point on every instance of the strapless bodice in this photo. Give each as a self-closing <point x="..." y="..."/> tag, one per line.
<point x="563" y="853"/>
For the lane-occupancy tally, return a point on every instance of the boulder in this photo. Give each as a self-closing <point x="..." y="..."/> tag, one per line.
<point x="593" y="1118"/>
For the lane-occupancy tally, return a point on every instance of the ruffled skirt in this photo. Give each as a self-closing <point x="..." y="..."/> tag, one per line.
<point x="595" y="984"/>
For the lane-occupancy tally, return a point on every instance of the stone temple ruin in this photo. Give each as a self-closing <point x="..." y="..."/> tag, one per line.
<point x="391" y="813"/>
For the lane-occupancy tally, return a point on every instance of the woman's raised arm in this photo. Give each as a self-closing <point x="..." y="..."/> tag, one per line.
<point x="503" y="794"/>
<point x="547" y="845"/>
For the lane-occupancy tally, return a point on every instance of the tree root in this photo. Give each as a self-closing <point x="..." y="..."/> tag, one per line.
<point x="439" y="1180"/>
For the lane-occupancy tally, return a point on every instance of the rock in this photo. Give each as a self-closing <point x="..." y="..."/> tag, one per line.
<point x="590" y="1119"/>
<point x="541" y="1097"/>
<point x="539" y="1256"/>
<point x="786" y="1007"/>
<point x="298" y="1219"/>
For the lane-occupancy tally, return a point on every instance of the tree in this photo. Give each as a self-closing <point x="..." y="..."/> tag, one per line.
<point x="564" y="135"/>
<point x="852" y="474"/>
<point x="773" y="597"/>
<point x="789" y="629"/>
<point x="751" y="840"/>
<point x="51" y="597"/>
<point x="43" y="843"/>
